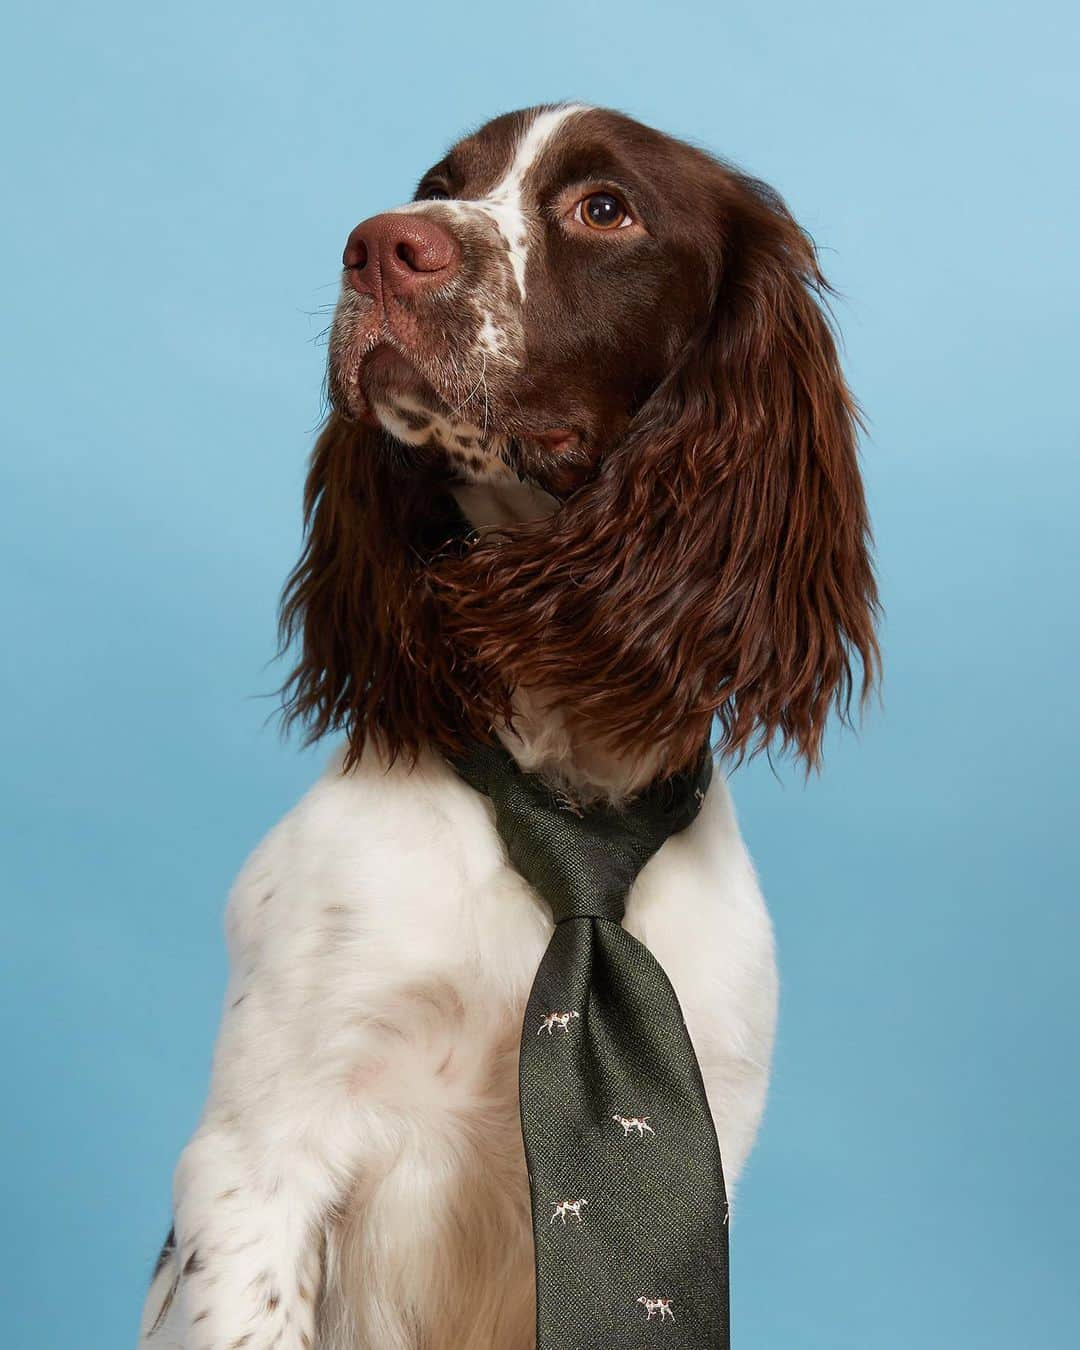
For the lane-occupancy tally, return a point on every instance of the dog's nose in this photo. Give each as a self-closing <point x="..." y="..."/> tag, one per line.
<point x="401" y="253"/>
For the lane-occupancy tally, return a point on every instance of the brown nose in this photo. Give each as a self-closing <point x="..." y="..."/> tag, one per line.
<point x="399" y="253"/>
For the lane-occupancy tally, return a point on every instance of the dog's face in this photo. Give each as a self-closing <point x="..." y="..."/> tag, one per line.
<point x="529" y="300"/>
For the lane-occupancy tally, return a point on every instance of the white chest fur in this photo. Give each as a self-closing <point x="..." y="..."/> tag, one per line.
<point x="357" y="1180"/>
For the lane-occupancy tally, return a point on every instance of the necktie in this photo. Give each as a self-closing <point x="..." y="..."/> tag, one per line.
<point x="628" y="1203"/>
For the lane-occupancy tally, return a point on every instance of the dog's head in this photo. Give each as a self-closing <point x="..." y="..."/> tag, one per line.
<point x="531" y="298"/>
<point x="579" y="301"/>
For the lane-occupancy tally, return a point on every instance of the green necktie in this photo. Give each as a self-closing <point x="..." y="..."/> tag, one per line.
<point x="629" y="1209"/>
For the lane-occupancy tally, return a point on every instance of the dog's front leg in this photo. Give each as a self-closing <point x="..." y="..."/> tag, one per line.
<point x="248" y="1242"/>
<point x="245" y="1270"/>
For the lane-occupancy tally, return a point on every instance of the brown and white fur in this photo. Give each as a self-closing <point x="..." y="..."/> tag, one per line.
<point x="607" y="348"/>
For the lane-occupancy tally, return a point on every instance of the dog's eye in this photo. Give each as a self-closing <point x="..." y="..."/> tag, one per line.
<point x="602" y="211"/>
<point x="434" y="194"/>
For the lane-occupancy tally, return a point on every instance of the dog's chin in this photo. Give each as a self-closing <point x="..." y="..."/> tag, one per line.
<point x="386" y="375"/>
<point x="389" y="390"/>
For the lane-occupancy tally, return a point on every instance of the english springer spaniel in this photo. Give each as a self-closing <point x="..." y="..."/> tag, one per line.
<point x="589" y="483"/>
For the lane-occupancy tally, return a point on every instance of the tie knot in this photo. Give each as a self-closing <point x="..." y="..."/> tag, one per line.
<point x="582" y="863"/>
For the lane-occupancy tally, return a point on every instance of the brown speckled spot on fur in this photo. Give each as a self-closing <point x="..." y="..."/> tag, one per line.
<point x="466" y="442"/>
<point x="201" y="1317"/>
<point x="305" y="1293"/>
<point x="475" y="462"/>
<point x="440" y="996"/>
<point x="241" y="1340"/>
<point x="193" y="1264"/>
<point x="228" y="1195"/>
<point x="272" y="1300"/>
<point x="167" y="1249"/>
<point x="413" y="420"/>
<point x="336" y="1211"/>
<point x="167" y="1303"/>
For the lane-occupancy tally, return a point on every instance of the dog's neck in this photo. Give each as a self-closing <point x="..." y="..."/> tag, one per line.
<point x="540" y="740"/>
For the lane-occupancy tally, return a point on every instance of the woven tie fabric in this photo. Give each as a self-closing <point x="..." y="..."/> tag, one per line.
<point x="628" y="1202"/>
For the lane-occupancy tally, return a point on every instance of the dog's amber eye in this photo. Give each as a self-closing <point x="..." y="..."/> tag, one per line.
<point x="602" y="211"/>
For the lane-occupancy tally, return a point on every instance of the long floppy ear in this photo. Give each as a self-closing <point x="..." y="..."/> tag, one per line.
<point x="719" y="563"/>
<point x="358" y="604"/>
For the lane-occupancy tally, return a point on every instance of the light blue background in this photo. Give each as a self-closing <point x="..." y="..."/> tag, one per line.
<point x="179" y="181"/>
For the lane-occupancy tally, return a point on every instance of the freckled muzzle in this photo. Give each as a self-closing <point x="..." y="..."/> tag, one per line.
<point x="433" y="282"/>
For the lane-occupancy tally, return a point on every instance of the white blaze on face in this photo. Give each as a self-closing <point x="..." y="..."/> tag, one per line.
<point x="504" y="204"/>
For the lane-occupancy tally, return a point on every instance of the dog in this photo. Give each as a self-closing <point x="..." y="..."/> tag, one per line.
<point x="588" y="484"/>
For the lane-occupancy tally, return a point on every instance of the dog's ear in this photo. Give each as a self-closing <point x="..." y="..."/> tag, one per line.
<point x="763" y="407"/>
<point x="719" y="563"/>
<point x="358" y="606"/>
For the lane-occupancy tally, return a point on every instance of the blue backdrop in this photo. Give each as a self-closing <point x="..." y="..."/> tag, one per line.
<point x="180" y="179"/>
